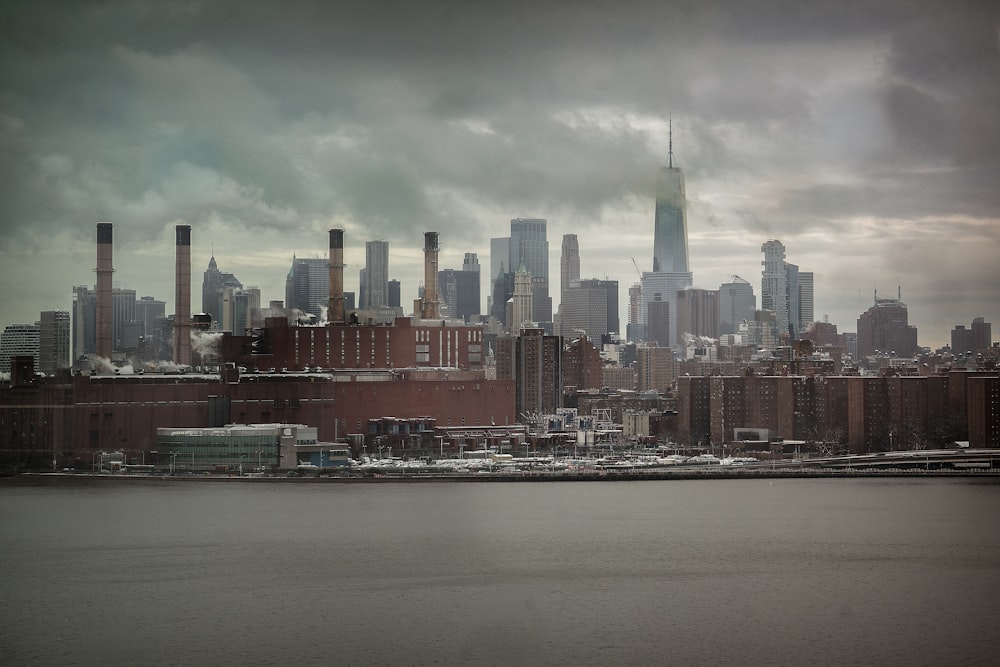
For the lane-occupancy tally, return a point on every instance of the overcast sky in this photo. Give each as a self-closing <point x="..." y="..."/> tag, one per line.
<point x="863" y="135"/>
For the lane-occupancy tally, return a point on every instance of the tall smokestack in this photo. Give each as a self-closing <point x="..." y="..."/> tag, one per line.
<point x="431" y="309"/>
<point x="335" y="312"/>
<point x="182" y="296"/>
<point x="105" y="308"/>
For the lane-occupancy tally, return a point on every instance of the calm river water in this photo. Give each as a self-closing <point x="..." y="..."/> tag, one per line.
<point x="835" y="571"/>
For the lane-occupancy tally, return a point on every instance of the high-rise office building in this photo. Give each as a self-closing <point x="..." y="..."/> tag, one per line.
<point x="569" y="264"/>
<point x="149" y="313"/>
<point x="671" y="272"/>
<point x="792" y="298"/>
<point x="976" y="338"/>
<point x="470" y="262"/>
<point x="658" y="320"/>
<point x="499" y="291"/>
<point x="84" y="321"/>
<point x="774" y="284"/>
<point x="737" y="303"/>
<point x="362" y="289"/>
<point x="395" y="294"/>
<point x="590" y="306"/>
<point x="123" y="315"/>
<point x="459" y="293"/>
<point x="53" y="341"/>
<point x="520" y="314"/>
<point x="635" y="331"/>
<point x="376" y="289"/>
<point x="806" y="313"/>
<point x="307" y="286"/>
<point x="529" y="245"/>
<point x="670" y="242"/>
<point x="666" y="285"/>
<point x="214" y="282"/>
<point x="18" y="340"/>
<point x="698" y="312"/>
<point x="885" y="328"/>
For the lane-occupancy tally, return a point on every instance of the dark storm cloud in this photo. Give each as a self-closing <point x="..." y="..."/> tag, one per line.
<point x="943" y="86"/>
<point x="390" y="118"/>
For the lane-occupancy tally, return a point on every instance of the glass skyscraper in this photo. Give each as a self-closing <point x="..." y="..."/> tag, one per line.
<point x="671" y="271"/>
<point x="670" y="241"/>
<point x="529" y="245"/>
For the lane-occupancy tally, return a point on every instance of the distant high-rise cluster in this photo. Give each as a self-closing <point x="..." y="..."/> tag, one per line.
<point x="971" y="340"/>
<point x="785" y="291"/>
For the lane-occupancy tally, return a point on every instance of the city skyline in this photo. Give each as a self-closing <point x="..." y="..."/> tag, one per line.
<point x="863" y="139"/>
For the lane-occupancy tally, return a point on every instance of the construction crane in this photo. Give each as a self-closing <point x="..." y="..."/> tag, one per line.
<point x="636" y="265"/>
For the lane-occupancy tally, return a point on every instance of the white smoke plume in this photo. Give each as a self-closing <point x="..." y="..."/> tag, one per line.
<point x="100" y="365"/>
<point x="206" y="343"/>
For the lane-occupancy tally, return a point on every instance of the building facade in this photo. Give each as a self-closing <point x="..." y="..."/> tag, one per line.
<point x="18" y="340"/>
<point x="737" y="303"/>
<point x="53" y="341"/>
<point x="885" y="328"/>
<point x="529" y="246"/>
<point x="375" y="293"/>
<point x="698" y="312"/>
<point x="590" y="306"/>
<point x="533" y="361"/>
<point x="774" y="284"/>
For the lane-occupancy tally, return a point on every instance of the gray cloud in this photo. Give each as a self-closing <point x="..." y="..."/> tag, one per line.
<point x="790" y="120"/>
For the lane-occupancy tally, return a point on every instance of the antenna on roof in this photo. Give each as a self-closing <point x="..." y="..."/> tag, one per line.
<point x="670" y="140"/>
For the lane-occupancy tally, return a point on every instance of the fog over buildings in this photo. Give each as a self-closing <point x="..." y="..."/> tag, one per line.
<point x="864" y="138"/>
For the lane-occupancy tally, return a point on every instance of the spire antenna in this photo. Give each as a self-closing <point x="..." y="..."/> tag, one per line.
<point x="670" y="141"/>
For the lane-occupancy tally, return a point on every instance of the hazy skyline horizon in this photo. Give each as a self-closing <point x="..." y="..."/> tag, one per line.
<point x="862" y="138"/>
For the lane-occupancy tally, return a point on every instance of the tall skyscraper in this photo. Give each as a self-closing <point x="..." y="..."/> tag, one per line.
<point x="590" y="306"/>
<point x="149" y="313"/>
<point x="671" y="272"/>
<point x="470" y="262"/>
<point x="806" y="313"/>
<point x="737" y="303"/>
<point x="459" y="293"/>
<point x="376" y="274"/>
<point x="635" y="331"/>
<point x="123" y="314"/>
<point x="885" y="327"/>
<point x="499" y="266"/>
<point x="698" y="312"/>
<point x="395" y="295"/>
<point x="670" y="243"/>
<point x="666" y="285"/>
<point x="569" y="264"/>
<point x="53" y="341"/>
<point x="529" y="245"/>
<point x="658" y="320"/>
<point x="214" y="282"/>
<point x="307" y="286"/>
<point x="774" y="284"/>
<point x="521" y="300"/>
<point x="84" y="321"/>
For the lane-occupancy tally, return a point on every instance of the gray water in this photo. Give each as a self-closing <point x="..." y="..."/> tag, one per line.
<point x="835" y="571"/>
